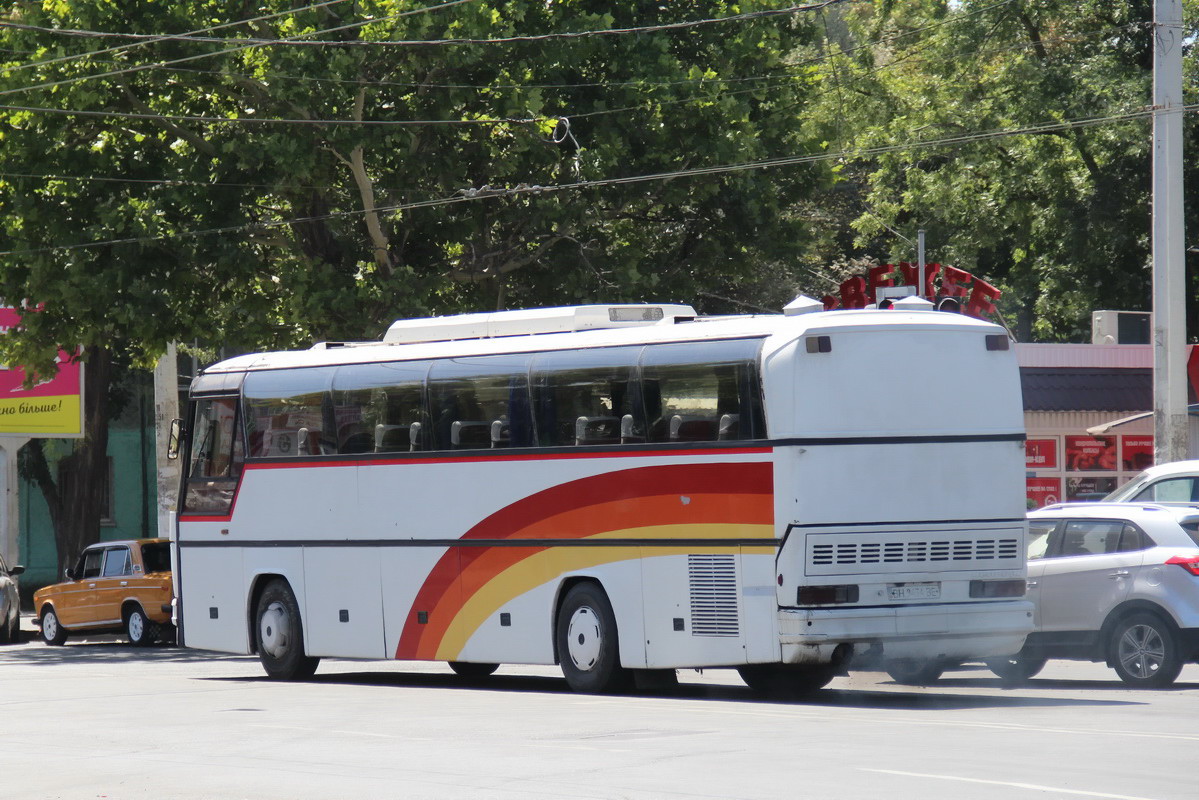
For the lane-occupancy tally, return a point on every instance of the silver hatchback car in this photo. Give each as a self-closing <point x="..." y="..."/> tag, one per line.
<point x="1114" y="582"/>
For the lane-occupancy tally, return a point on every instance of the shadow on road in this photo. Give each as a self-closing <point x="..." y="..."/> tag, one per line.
<point x="924" y="699"/>
<point x="107" y="650"/>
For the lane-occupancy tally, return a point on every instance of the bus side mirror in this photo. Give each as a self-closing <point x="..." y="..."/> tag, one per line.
<point x="173" y="439"/>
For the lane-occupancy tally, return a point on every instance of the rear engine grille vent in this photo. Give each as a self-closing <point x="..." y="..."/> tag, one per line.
<point x="713" y="583"/>
<point x="853" y="553"/>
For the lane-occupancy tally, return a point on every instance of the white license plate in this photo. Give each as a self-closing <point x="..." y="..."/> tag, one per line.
<point x="914" y="591"/>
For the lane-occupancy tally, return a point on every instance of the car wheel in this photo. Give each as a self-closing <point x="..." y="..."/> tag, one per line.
<point x="52" y="631"/>
<point x="780" y="680"/>
<point x="1017" y="668"/>
<point x="8" y="631"/>
<point x="1144" y="651"/>
<point x="471" y="670"/>
<point x="280" y="635"/>
<point x="142" y="632"/>
<point x="587" y="643"/>
<point x="915" y="671"/>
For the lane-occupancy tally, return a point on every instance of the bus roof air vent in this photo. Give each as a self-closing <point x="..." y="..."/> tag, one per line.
<point x="526" y="322"/>
<point x="802" y="304"/>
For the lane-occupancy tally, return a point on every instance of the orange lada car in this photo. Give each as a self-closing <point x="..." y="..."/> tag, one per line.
<point x="115" y="586"/>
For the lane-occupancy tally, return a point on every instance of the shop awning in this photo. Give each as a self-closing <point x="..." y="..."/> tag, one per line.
<point x="1086" y="389"/>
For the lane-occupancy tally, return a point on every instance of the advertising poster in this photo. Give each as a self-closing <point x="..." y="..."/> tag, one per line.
<point x="1089" y="488"/>
<point x="52" y="407"/>
<point x="1040" y="453"/>
<point x="1136" y="452"/>
<point x="1044" y="491"/>
<point x="1091" y="453"/>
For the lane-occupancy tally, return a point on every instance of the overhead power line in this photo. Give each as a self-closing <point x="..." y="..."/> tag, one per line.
<point x="541" y="37"/>
<point x="488" y="192"/>
<point x="145" y="39"/>
<point x="227" y="51"/>
<point x="269" y="120"/>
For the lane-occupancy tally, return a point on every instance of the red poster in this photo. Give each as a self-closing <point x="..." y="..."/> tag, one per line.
<point x="1091" y="453"/>
<point x="1044" y="491"/>
<point x="1137" y="452"/>
<point x="1040" y="453"/>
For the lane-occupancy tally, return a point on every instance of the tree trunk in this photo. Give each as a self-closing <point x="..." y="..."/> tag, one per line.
<point x="75" y="496"/>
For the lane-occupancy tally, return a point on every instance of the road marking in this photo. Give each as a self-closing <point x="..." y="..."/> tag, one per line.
<point x="1033" y="786"/>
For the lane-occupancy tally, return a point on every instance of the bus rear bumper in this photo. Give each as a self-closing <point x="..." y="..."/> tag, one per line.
<point x="961" y="631"/>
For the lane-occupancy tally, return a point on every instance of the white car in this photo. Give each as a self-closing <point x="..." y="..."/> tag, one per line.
<point x="1175" y="482"/>
<point x="1114" y="582"/>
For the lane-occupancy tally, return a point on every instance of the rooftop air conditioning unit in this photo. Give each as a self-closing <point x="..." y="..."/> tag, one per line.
<point x="1120" y="327"/>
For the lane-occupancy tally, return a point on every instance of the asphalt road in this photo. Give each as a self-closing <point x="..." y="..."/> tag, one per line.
<point x="101" y="719"/>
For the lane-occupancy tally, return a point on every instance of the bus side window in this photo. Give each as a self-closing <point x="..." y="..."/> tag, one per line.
<point x="379" y="408"/>
<point x="587" y="397"/>
<point x="480" y="402"/>
<point x="288" y="412"/>
<point x="702" y="392"/>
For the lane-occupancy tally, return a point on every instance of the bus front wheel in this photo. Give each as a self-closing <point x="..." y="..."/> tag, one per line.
<point x="585" y="634"/>
<point x="279" y="634"/>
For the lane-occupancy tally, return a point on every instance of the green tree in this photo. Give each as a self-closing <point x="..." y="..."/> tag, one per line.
<point x="1059" y="219"/>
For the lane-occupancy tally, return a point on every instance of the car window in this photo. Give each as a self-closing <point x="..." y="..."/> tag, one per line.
<point x="1038" y="537"/>
<point x="1170" y="490"/>
<point x="1090" y="537"/>
<point x="117" y="562"/>
<point x="157" y="557"/>
<point x="1133" y="538"/>
<point x="91" y="564"/>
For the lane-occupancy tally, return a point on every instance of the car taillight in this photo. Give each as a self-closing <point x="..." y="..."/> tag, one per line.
<point x="1189" y="563"/>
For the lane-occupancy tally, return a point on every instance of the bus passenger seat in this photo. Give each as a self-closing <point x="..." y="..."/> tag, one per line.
<point x="730" y="425"/>
<point x="414" y="437"/>
<point x="628" y="430"/>
<point x="469" y="434"/>
<point x="596" y="430"/>
<point x="501" y="435"/>
<point x="691" y="429"/>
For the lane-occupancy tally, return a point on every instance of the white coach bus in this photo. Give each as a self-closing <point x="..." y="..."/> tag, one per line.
<point x="614" y="489"/>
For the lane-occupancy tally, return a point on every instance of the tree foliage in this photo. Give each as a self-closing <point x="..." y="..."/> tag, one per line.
<point x="326" y="235"/>
<point x="1059" y="219"/>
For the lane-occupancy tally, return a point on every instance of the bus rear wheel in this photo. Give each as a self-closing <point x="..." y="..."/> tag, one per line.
<point x="469" y="669"/>
<point x="585" y="635"/>
<point x="279" y="634"/>
<point x="915" y="671"/>
<point x="781" y="680"/>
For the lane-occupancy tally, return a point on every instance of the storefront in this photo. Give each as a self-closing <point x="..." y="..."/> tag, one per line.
<point x="1077" y="401"/>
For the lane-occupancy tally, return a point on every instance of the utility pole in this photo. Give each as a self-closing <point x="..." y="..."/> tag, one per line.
<point x="1169" y="278"/>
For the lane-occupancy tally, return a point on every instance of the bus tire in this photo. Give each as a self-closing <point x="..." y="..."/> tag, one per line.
<point x="1018" y="668"/>
<point x="915" y="671"/>
<point x="280" y="634"/>
<point x="53" y="632"/>
<point x="587" y="646"/>
<point x="469" y="669"/>
<point x="781" y="680"/>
